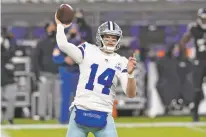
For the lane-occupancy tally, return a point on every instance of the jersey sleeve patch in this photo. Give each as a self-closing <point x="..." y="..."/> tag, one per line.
<point x="124" y="64"/>
<point x="124" y="70"/>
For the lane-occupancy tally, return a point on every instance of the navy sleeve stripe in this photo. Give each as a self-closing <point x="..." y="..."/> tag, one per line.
<point x="124" y="70"/>
<point x="83" y="46"/>
<point x="82" y="50"/>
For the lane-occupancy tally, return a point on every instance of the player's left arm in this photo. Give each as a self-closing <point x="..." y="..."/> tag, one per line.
<point x="127" y="80"/>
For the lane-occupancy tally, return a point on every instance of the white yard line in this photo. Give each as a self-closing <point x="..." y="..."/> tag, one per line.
<point x="198" y="129"/>
<point x="119" y="125"/>
<point x="3" y="134"/>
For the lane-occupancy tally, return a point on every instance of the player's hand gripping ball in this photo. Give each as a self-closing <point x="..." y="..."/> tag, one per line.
<point x="64" y="14"/>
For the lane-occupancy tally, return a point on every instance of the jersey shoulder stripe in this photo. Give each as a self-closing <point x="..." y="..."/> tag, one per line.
<point x="82" y="48"/>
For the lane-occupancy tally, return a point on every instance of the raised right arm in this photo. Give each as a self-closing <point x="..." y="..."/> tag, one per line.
<point x="70" y="49"/>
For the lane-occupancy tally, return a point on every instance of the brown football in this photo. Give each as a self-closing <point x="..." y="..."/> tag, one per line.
<point x="65" y="13"/>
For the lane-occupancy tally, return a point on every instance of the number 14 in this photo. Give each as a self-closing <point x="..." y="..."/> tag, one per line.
<point x="104" y="79"/>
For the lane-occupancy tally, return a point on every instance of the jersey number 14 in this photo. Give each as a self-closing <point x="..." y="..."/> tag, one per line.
<point x="104" y="79"/>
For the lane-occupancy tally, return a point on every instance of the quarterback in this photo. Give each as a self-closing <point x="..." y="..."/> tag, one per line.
<point x="100" y="70"/>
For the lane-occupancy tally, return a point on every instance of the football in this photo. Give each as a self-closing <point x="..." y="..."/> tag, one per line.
<point x="65" y="14"/>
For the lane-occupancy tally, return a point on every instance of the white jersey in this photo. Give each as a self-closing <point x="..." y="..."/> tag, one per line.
<point x="99" y="75"/>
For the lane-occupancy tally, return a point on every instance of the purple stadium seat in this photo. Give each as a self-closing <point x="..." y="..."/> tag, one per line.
<point x="172" y="34"/>
<point x="171" y="29"/>
<point x="182" y="29"/>
<point x="134" y="31"/>
<point x="38" y="32"/>
<point x="135" y="44"/>
<point x="19" y="32"/>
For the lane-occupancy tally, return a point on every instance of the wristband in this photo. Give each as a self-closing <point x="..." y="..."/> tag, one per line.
<point x="131" y="75"/>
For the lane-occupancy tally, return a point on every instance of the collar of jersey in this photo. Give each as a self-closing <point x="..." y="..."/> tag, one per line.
<point x="109" y="55"/>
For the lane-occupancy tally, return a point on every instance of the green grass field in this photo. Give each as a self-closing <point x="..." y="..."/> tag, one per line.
<point x="122" y="132"/>
<point x="148" y="131"/>
<point x="120" y="120"/>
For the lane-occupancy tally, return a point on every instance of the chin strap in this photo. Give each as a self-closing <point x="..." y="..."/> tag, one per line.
<point x="109" y="49"/>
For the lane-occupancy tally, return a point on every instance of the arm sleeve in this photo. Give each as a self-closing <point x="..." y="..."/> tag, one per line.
<point x="70" y="49"/>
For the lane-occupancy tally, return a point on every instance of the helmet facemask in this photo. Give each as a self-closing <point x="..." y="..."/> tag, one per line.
<point x="115" y="45"/>
<point x="103" y="30"/>
<point x="201" y="20"/>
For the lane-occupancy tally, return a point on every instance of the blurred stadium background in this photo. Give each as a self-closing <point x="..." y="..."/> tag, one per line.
<point x="150" y="27"/>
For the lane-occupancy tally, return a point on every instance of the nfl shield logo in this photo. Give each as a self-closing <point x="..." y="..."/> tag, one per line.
<point x="118" y="67"/>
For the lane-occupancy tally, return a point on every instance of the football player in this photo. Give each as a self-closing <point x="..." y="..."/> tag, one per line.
<point x="100" y="69"/>
<point x="197" y="30"/>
